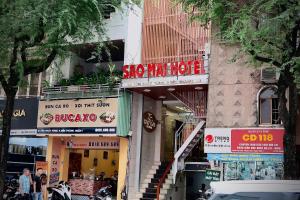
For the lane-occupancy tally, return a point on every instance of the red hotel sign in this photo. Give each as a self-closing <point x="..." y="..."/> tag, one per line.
<point x="182" y="68"/>
<point x="257" y="140"/>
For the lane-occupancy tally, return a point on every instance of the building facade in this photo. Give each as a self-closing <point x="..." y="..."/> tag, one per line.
<point x="182" y="116"/>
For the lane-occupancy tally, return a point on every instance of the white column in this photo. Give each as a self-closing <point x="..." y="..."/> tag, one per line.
<point x="139" y="138"/>
<point x="157" y="148"/>
<point x="133" y="38"/>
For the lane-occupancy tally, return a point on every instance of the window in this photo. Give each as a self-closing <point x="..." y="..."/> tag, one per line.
<point x="269" y="106"/>
<point x="105" y="155"/>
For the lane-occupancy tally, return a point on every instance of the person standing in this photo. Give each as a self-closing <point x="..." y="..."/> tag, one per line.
<point x="24" y="184"/>
<point x="44" y="185"/>
<point x="37" y="185"/>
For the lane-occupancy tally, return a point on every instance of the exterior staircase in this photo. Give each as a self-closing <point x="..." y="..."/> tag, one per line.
<point x="183" y="149"/>
<point x="187" y="137"/>
<point x="148" y="189"/>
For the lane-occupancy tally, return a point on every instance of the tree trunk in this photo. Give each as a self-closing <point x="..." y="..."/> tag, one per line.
<point x="4" y="141"/>
<point x="288" y="115"/>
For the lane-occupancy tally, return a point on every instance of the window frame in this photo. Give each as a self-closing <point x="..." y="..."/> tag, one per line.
<point x="259" y="113"/>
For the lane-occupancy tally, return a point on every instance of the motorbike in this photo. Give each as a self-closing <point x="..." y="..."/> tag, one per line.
<point x="204" y="195"/>
<point x="60" y="192"/>
<point x="104" y="194"/>
<point x="11" y="190"/>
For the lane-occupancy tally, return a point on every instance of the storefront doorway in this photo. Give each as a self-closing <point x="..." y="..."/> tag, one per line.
<point x="87" y="163"/>
<point x="91" y="169"/>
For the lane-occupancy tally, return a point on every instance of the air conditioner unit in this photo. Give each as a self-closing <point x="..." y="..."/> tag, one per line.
<point x="269" y="75"/>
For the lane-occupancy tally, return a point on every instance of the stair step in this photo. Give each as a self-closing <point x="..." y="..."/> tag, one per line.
<point x="152" y="185"/>
<point x="151" y="190"/>
<point x="155" y="180"/>
<point x="149" y="185"/>
<point x="149" y="195"/>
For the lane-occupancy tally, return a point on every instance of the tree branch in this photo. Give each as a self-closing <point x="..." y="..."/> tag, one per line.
<point x="40" y="36"/>
<point x="42" y="67"/>
<point x="14" y="56"/>
<point x="264" y="59"/>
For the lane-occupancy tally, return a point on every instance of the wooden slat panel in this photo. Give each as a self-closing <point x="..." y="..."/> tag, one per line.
<point x="168" y="35"/>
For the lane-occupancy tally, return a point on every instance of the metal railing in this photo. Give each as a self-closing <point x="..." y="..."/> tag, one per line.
<point x="163" y="178"/>
<point x="80" y="91"/>
<point x="179" y="139"/>
<point x="178" y="159"/>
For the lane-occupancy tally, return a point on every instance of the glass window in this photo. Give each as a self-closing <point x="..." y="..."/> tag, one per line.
<point x="268" y="106"/>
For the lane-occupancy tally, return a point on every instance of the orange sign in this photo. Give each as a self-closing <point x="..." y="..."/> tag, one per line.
<point x="257" y="140"/>
<point x="43" y="165"/>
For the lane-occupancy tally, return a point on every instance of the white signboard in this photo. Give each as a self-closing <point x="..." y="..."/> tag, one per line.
<point x="165" y="81"/>
<point x="217" y="140"/>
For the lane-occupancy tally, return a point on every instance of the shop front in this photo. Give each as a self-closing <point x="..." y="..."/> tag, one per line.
<point x="25" y="148"/>
<point x="83" y="146"/>
<point x="245" y="154"/>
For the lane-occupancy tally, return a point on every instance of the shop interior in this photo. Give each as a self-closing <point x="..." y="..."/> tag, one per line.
<point x="91" y="169"/>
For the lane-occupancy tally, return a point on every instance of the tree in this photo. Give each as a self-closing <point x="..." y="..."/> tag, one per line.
<point x="34" y="33"/>
<point x="269" y="32"/>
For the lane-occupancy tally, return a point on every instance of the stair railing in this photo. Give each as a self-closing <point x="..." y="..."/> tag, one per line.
<point x="179" y="140"/>
<point x="178" y="161"/>
<point x="163" y="178"/>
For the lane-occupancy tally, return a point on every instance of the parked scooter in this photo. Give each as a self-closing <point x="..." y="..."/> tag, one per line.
<point x="204" y="195"/>
<point x="11" y="190"/>
<point x="104" y="194"/>
<point x="60" y="192"/>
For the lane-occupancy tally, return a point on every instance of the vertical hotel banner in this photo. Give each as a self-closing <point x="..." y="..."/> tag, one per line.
<point x="98" y="116"/>
<point x="250" y="140"/>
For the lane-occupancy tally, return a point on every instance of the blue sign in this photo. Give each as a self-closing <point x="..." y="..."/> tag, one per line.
<point x="245" y="157"/>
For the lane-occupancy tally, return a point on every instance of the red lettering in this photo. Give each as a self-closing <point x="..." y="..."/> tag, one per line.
<point x="132" y="71"/>
<point x="93" y="117"/>
<point x="57" y="118"/>
<point x="85" y="118"/>
<point x="125" y="71"/>
<point x="196" y="67"/>
<point x="78" y="118"/>
<point x="140" y="70"/>
<point x="71" y="117"/>
<point x="182" y="68"/>
<point x="165" y="69"/>
<point x="64" y="117"/>
<point x="174" y="69"/>
<point x="151" y="70"/>
<point x="159" y="70"/>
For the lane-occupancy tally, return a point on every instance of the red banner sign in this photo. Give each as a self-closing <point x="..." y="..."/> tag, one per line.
<point x="257" y="140"/>
<point x="182" y="68"/>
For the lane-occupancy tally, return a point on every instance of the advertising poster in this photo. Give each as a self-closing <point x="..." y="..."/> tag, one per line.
<point x="257" y="140"/>
<point x="55" y="162"/>
<point x="249" y="141"/>
<point x="251" y="170"/>
<point x="78" y="116"/>
<point x="24" y="116"/>
<point x="43" y="165"/>
<point x="249" y="166"/>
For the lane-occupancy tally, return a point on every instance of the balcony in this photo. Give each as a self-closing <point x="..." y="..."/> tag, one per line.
<point x="80" y="91"/>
